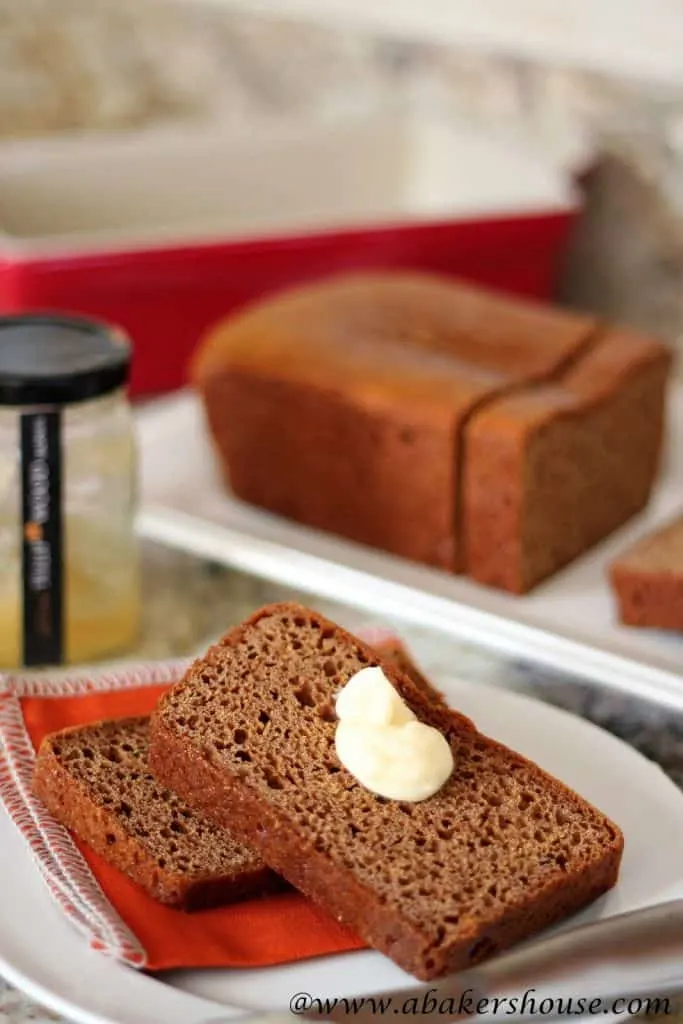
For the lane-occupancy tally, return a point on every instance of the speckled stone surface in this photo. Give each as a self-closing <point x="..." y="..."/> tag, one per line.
<point x="189" y="602"/>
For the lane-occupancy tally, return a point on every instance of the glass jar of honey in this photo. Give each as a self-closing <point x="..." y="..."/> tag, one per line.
<point x="69" y="580"/>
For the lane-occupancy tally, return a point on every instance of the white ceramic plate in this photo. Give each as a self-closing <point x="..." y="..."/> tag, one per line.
<point x="41" y="953"/>
<point x="569" y="621"/>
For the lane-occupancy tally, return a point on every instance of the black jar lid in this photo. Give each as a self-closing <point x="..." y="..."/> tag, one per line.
<point x="50" y="359"/>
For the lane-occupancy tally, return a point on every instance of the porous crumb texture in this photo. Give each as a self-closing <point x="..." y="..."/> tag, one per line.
<point x="647" y="579"/>
<point x="660" y="550"/>
<point x="394" y="652"/>
<point x="551" y="471"/>
<point x="499" y="852"/>
<point x="96" y="780"/>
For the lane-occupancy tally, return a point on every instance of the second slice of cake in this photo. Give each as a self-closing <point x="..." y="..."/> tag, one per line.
<point x="501" y="851"/>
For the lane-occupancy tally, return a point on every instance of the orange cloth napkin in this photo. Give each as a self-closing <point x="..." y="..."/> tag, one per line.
<point x="256" y="933"/>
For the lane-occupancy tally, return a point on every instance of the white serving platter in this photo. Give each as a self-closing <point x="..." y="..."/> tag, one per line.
<point x="41" y="953"/>
<point x="567" y="624"/>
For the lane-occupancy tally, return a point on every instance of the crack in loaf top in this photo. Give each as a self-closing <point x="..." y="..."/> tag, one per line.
<point x="405" y="330"/>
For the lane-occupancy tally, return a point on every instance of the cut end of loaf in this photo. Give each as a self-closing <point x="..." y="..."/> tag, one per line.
<point x="647" y="579"/>
<point x="500" y="852"/>
<point x="528" y="433"/>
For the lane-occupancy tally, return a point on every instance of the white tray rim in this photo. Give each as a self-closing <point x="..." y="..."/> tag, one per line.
<point x="461" y="622"/>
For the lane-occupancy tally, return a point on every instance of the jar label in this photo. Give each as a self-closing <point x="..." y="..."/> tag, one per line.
<point x="41" y="482"/>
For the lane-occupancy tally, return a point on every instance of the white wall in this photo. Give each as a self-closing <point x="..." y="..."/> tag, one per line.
<point x="638" y="38"/>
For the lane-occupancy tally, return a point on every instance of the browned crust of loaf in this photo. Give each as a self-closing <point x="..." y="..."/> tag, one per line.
<point x="224" y="797"/>
<point x="453" y="317"/>
<point x="551" y="472"/>
<point x="471" y="506"/>
<point x="71" y="804"/>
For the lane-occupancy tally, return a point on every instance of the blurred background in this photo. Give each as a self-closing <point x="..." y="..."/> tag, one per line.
<point x="604" y="107"/>
<point x="162" y="162"/>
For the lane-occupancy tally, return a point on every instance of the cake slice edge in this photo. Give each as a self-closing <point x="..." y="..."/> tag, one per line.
<point x="68" y="800"/>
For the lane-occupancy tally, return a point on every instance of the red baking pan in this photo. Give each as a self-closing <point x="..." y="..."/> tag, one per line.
<point x="165" y="232"/>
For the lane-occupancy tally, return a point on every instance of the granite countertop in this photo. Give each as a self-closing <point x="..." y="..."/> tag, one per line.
<point x="188" y="602"/>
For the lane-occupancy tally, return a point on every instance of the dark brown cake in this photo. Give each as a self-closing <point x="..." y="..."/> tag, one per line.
<point x="500" y="852"/>
<point x="341" y="405"/>
<point x="549" y="471"/>
<point x="436" y="420"/>
<point x="95" y="780"/>
<point x="647" y="579"/>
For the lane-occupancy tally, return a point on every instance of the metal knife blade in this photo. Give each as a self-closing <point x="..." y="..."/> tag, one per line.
<point x="624" y="937"/>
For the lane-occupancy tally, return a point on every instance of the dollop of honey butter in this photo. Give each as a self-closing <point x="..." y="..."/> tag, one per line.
<point x="384" y="746"/>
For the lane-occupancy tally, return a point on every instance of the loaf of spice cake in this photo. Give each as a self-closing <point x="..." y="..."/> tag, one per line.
<point x="359" y="405"/>
<point x="501" y="851"/>
<point x="647" y="579"/>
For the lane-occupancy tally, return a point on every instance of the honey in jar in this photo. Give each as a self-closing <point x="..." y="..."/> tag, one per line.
<point x="69" y="577"/>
